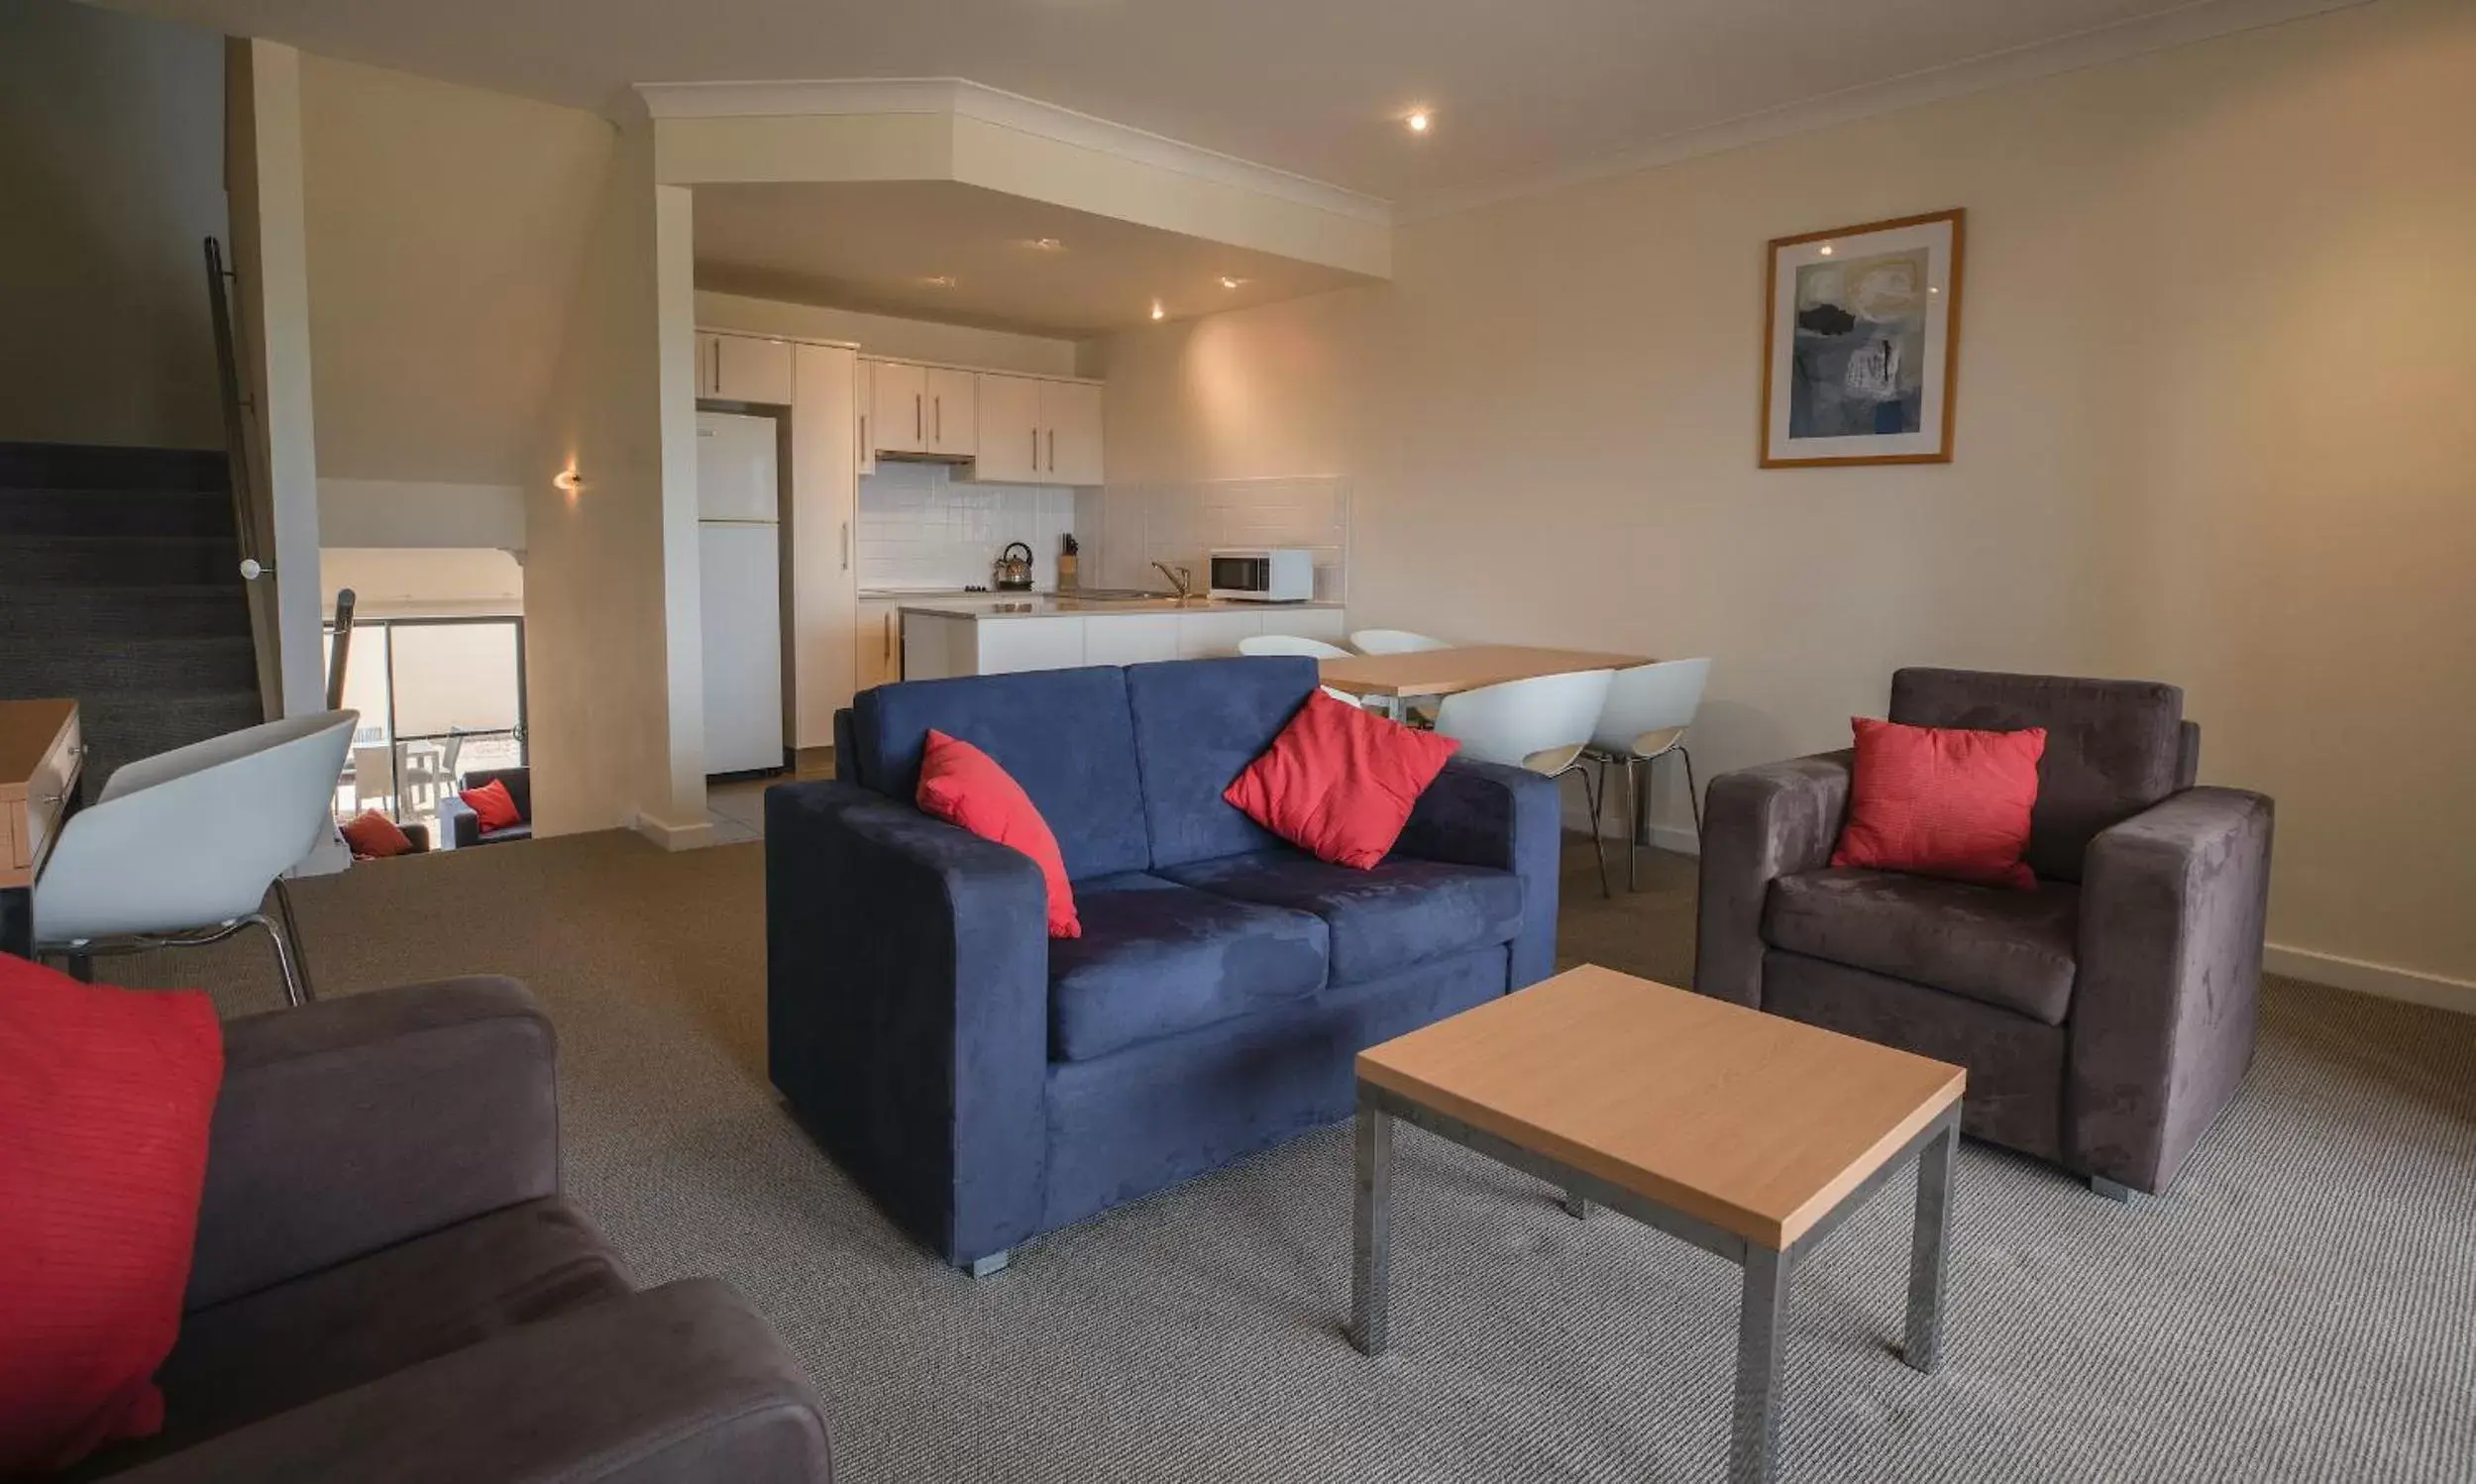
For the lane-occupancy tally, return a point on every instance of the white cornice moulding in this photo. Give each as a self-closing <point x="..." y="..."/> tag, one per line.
<point x="966" y="99"/>
<point x="2197" y="22"/>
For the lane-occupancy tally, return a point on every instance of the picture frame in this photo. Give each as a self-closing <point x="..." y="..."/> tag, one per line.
<point x="1861" y="343"/>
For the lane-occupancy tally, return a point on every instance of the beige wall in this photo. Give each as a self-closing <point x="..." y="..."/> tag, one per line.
<point x="887" y="335"/>
<point x="2213" y="428"/>
<point x="447" y="225"/>
<point x="110" y="171"/>
<point x="424" y="583"/>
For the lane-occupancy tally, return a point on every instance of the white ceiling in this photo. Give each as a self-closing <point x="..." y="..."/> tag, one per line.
<point x="872" y="245"/>
<point x="1521" y="90"/>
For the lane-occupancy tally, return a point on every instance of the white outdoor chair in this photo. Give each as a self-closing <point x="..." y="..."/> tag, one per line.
<point x="1313" y="649"/>
<point x="1541" y="723"/>
<point x="181" y="848"/>
<point x="1394" y="642"/>
<point x="1649" y="709"/>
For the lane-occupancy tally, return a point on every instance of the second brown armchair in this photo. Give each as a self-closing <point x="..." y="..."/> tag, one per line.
<point x="2105" y="1019"/>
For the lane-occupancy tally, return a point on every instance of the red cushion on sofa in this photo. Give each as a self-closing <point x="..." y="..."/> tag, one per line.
<point x="961" y="785"/>
<point x="1340" y="782"/>
<point x="105" y="1098"/>
<point x="493" y="807"/>
<point x="374" y="837"/>
<point x="1942" y="802"/>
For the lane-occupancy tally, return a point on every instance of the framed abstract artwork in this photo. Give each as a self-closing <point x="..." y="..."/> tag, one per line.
<point x="1861" y="344"/>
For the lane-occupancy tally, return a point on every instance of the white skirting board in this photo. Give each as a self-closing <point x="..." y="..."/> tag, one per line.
<point x="695" y="836"/>
<point x="2381" y="980"/>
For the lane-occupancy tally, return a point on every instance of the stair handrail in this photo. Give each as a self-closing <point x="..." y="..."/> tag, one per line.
<point x="219" y="282"/>
<point x="342" y="649"/>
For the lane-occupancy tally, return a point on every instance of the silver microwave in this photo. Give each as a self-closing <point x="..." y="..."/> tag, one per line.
<point x="1263" y="575"/>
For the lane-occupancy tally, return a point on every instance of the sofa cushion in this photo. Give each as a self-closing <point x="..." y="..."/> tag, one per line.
<point x="1198" y="724"/>
<point x="2114" y="748"/>
<point x="1398" y="914"/>
<point x="1340" y="782"/>
<point x="1065" y="735"/>
<point x="2010" y="949"/>
<point x="959" y="784"/>
<point x="1156" y="958"/>
<point x="278" y="1348"/>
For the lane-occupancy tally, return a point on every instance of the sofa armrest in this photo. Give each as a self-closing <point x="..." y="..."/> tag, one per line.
<point x="459" y="826"/>
<point x="354" y="1124"/>
<point x="419" y="835"/>
<point x="907" y="1009"/>
<point x="1506" y="819"/>
<point x="1759" y="824"/>
<point x="2174" y="906"/>
<point x="683" y="1383"/>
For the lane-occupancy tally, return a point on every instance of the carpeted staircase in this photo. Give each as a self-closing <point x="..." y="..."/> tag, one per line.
<point x="119" y="586"/>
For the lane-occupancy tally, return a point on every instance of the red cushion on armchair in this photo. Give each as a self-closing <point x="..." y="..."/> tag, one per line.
<point x="493" y="807"/>
<point x="105" y="1099"/>
<point x="1940" y="801"/>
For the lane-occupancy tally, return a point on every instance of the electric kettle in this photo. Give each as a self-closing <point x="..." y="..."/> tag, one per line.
<point x="1012" y="573"/>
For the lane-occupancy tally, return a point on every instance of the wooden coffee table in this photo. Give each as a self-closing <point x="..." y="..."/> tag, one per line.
<point x="1749" y="1136"/>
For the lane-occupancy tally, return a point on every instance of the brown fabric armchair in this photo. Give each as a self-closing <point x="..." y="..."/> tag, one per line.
<point x="2105" y="1019"/>
<point x="388" y="1287"/>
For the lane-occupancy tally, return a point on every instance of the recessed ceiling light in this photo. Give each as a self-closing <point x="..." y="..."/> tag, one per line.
<point x="1046" y="245"/>
<point x="940" y="281"/>
<point x="1418" y="120"/>
<point x="1228" y="282"/>
<point x="1158" y="311"/>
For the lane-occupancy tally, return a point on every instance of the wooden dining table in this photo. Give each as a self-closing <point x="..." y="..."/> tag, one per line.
<point x="1396" y="679"/>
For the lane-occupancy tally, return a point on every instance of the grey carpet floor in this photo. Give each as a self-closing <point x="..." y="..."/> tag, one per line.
<point x="2301" y="1306"/>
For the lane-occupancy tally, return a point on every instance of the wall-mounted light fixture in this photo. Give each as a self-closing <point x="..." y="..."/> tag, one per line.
<point x="569" y="479"/>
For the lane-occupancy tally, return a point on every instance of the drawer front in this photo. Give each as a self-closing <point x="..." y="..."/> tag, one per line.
<point x="47" y="791"/>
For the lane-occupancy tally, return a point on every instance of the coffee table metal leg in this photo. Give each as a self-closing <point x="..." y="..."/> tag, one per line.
<point x="1371" y="1260"/>
<point x="1753" y="1433"/>
<point x="1923" y="1348"/>
<point x="1576" y="1205"/>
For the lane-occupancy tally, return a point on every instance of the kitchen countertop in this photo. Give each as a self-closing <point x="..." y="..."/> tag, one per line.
<point x="1055" y="605"/>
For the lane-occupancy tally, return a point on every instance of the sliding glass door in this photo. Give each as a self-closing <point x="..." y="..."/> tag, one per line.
<point x="439" y="699"/>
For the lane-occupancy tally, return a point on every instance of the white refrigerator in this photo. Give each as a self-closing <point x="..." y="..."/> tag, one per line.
<point x="739" y="543"/>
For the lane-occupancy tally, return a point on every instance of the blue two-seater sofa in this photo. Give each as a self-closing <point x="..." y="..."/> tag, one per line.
<point x="987" y="1084"/>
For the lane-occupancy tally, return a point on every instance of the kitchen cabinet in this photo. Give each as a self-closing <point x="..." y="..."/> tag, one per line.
<point x="821" y="592"/>
<point x="1070" y="435"/>
<point x="1130" y="639"/>
<point x="1035" y="431"/>
<point x="940" y="640"/>
<point x="898" y="404"/>
<point x="1204" y="636"/>
<point x="880" y="644"/>
<point x="863" y="406"/>
<point x="744" y="368"/>
<point x="1010" y="430"/>
<point x="953" y="428"/>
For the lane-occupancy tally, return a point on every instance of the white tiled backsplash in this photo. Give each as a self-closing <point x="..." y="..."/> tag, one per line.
<point x="920" y="527"/>
<point x="1124" y="528"/>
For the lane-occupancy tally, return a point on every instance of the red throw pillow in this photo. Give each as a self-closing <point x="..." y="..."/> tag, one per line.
<point x="105" y="1098"/>
<point x="961" y="785"/>
<point x="1942" y="802"/>
<point x="374" y="837"/>
<point x="1340" y="782"/>
<point x="493" y="805"/>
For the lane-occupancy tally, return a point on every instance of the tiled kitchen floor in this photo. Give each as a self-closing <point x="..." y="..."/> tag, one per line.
<point x="737" y="810"/>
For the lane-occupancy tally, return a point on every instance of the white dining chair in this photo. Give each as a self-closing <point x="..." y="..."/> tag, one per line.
<point x="1313" y="649"/>
<point x="1649" y="709"/>
<point x="1542" y="724"/>
<point x="1394" y="642"/>
<point x="181" y="849"/>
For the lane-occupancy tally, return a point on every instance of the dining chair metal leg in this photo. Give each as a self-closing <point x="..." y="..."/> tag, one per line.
<point x="288" y="947"/>
<point x="1598" y="841"/>
<point x="1637" y="788"/>
<point x="1693" y="796"/>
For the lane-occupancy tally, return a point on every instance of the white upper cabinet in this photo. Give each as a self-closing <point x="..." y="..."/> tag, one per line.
<point x="1070" y="435"/>
<point x="899" y="406"/>
<point x="1011" y="448"/>
<point x="953" y="427"/>
<point x="1035" y="431"/>
<point x="743" y="368"/>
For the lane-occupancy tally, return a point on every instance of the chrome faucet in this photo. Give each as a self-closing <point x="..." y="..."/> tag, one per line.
<point x="1179" y="578"/>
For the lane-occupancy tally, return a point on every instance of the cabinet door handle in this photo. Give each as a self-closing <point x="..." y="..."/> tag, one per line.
<point x="716" y="383"/>
<point x="847" y="545"/>
<point x="1052" y="450"/>
<point x="918" y="429"/>
<point x="864" y="448"/>
<point x="1036" y="448"/>
<point x="941" y="420"/>
<point x="889" y="628"/>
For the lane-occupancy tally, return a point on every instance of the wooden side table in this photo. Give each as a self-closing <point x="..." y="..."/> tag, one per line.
<point x="42" y="752"/>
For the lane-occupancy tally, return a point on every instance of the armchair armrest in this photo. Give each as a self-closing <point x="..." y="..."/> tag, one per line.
<point x="459" y="826"/>
<point x="1506" y="819"/>
<point x="352" y="1124"/>
<point x="907" y="1009"/>
<point x="1759" y="824"/>
<point x="2174" y="906"/>
<point x="683" y="1383"/>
